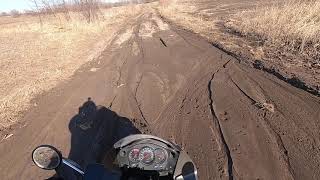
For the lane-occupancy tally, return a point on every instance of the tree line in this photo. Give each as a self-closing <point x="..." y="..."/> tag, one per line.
<point x="89" y="9"/>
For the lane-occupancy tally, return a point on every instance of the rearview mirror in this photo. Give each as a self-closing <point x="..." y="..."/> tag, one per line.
<point x="46" y="157"/>
<point x="185" y="168"/>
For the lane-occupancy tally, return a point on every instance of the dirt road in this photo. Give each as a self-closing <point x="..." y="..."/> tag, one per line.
<point x="235" y="121"/>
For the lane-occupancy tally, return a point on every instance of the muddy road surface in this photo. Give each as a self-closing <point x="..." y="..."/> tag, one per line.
<point x="235" y="121"/>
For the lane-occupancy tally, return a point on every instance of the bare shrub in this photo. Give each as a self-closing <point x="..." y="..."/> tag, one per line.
<point x="15" y="13"/>
<point x="4" y="14"/>
<point x="89" y="9"/>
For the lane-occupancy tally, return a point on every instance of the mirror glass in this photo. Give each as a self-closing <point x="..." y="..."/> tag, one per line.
<point x="189" y="172"/>
<point x="46" y="157"/>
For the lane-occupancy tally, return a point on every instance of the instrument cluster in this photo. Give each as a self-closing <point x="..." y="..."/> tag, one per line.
<point x="148" y="157"/>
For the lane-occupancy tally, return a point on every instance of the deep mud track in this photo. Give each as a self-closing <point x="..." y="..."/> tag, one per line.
<point x="235" y="121"/>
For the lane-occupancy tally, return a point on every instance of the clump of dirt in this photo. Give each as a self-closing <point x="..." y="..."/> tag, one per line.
<point x="124" y="37"/>
<point x="147" y="30"/>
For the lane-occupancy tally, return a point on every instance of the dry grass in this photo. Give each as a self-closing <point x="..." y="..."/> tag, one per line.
<point x="201" y="16"/>
<point x="184" y="14"/>
<point x="293" y="23"/>
<point x="36" y="58"/>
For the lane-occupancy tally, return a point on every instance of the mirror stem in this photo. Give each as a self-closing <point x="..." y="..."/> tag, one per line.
<point x="66" y="162"/>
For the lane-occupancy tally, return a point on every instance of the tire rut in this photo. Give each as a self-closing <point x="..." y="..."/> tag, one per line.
<point x="136" y="99"/>
<point x="275" y="137"/>
<point x="218" y="129"/>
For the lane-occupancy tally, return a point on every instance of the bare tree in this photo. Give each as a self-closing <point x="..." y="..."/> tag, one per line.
<point x="47" y="6"/>
<point x="54" y="7"/>
<point x="89" y="9"/>
<point x="65" y="10"/>
<point x="37" y="10"/>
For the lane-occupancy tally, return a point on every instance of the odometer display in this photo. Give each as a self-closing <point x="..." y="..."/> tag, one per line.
<point x="146" y="155"/>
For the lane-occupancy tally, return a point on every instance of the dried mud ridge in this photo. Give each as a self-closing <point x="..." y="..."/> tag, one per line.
<point x="279" y="73"/>
<point x="259" y="64"/>
<point x="273" y="68"/>
<point x="294" y="81"/>
<point x="236" y="122"/>
<point x="218" y="125"/>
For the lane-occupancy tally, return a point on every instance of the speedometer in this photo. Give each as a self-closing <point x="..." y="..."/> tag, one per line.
<point x="146" y="155"/>
<point x="134" y="155"/>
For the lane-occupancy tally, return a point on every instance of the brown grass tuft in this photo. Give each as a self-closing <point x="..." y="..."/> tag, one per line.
<point x="293" y="23"/>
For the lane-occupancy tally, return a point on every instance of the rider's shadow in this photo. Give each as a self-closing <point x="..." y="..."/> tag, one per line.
<point x="94" y="130"/>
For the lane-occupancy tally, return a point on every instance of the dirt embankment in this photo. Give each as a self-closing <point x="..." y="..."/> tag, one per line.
<point x="280" y="38"/>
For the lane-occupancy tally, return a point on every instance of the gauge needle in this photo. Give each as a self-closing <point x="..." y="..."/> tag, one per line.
<point x="146" y="155"/>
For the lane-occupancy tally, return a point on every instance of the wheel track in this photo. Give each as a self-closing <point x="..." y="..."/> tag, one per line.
<point x="276" y="138"/>
<point x="217" y="128"/>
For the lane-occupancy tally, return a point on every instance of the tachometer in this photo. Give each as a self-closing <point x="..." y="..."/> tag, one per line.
<point x="160" y="156"/>
<point x="134" y="155"/>
<point x="146" y="155"/>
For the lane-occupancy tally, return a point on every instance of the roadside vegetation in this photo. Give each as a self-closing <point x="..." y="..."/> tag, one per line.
<point x="294" y="24"/>
<point x="281" y="37"/>
<point x="186" y="14"/>
<point x="43" y="47"/>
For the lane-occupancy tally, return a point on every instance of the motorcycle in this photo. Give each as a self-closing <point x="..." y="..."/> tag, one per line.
<point x="137" y="157"/>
